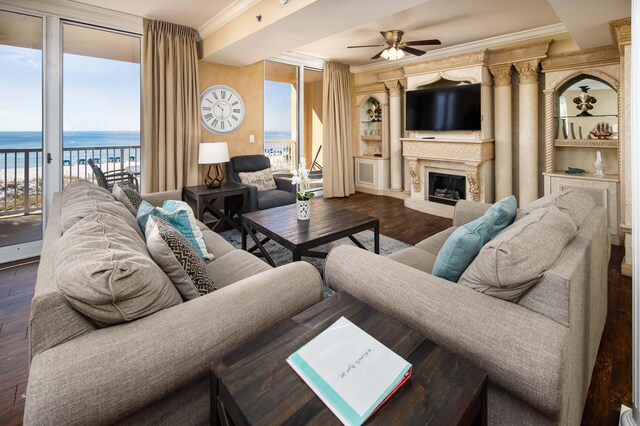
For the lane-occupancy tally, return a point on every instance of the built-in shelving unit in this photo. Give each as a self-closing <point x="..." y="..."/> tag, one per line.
<point x="372" y="156"/>
<point x="574" y="144"/>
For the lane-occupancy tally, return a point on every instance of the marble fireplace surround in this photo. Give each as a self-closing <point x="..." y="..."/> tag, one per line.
<point x="472" y="159"/>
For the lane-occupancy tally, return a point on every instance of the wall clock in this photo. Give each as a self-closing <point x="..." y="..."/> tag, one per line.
<point x="221" y="109"/>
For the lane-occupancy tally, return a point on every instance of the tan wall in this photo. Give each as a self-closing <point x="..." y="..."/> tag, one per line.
<point x="313" y="121"/>
<point x="248" y="82"/>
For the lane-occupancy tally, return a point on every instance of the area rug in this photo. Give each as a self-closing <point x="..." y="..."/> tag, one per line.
<point x="282" y="256"/>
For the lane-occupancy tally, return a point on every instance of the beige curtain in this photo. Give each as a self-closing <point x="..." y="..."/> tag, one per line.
<point x="337" y="172"/>
<point x="171" y="125"/>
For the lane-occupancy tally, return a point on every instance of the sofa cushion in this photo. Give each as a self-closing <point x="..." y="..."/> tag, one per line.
<point x="434" y="243"/>
<point x="262" y="179"/>
<point x="105" y="271"/>
<point x="235" y="266"/>
<point x="216" y="245"/>
<point x="516" y="259"/>
<point x="462" y="247"/>
<point x="275" y="198"/>
<point x="180" y="216"/>
<point x="416" y="258"/>
<point x="81" y="199"/>
<point x="178" y="259"/>
<point x="128" y="196"/>
<point x="503" y="212"/>
<point x="575" y="202"/>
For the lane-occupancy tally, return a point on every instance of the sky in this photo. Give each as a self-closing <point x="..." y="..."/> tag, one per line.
<point x="98" y="94"/>
<point x="277" y="106"/>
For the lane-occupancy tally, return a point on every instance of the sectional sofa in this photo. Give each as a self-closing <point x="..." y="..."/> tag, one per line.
<point x="153" y="370"/>
<point x="539" y="351"/>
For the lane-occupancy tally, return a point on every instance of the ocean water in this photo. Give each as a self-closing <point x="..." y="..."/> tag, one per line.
<point x="105" y="140"/>
<point x="33" y="140"/>
<point x="277" y="136"/>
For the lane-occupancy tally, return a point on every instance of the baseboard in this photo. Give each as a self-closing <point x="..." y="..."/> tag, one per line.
<point x="625" y="419"/>
<point x="383" y="192"/>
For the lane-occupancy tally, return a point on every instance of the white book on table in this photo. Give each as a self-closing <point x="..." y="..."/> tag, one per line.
<point x="351" y="372"/>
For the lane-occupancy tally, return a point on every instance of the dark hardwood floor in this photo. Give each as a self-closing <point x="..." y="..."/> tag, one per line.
<point x="610" y="385"/>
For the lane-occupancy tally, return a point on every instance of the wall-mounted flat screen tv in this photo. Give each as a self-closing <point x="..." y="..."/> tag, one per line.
<point x="444" y="108"/>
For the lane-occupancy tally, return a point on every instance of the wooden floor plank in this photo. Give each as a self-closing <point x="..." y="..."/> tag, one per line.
<point x="610" y="385"/>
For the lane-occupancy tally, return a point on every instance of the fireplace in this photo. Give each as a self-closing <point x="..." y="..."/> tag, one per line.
<point x="446" y="189"/>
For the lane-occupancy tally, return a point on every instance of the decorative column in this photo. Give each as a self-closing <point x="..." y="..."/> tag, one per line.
<point x="395" y="132"/>
<point x="502" y="120"/>
<point x="548" y="135"/>
<point x="528" y="131"/>
<point x="621" y="31"/>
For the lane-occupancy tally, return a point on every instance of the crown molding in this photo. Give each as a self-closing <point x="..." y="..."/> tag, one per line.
<point x="225" y="16"/>
<point x="299" y="58"/>
<point x="486" y="43"/>
<point x="72" y="10"/>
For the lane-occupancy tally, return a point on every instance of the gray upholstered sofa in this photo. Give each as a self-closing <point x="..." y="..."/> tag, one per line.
<point x="539" y="352"/>
<point x="153" y="370"/>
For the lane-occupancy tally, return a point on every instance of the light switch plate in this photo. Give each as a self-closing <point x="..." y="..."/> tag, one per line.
<point x="252" y="138"/>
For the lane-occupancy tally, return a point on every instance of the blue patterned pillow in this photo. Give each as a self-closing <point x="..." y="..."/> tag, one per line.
<point x="180" y="216"/>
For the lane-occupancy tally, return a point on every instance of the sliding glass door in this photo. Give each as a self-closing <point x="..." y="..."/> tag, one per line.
<point x="101" y="101"/>
<point x="21" y="141"/>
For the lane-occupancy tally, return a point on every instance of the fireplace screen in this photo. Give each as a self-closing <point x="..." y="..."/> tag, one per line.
<point x="445" y="188"/>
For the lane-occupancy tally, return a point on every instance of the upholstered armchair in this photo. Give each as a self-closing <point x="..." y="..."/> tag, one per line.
<point x="261" y="200"/>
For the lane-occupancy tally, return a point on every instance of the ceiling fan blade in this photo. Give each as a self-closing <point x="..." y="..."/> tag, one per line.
<point x="414" y="51"/>
<point x="378" y="54"/>
<point x="365" y="45"/>
<point x="432" y="42"/>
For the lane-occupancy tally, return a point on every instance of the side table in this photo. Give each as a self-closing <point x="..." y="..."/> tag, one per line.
<point x="255" y="385"/>
<point x="205" y="197"/>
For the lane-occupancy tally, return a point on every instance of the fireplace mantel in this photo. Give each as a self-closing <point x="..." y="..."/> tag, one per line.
<point x="472" y="158"/>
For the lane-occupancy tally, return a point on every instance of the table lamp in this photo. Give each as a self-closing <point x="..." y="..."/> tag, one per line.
<point x="213" y="153"/>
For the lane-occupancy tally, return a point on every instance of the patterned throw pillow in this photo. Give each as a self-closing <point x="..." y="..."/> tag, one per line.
<point x="128" y="196"/>
<point x="180" y="216"/>
<point x="262" y="179"/>
<point x="178" y="259"/>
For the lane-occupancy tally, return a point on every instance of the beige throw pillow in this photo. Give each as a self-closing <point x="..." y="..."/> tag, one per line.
<point x="128" y="196"/>
<point x="262" y="179"/>
<point x="104" y="270"/>
<point x="575" y="202"/>
<point x="516" y="259"/>
<point x="178" y="259"/>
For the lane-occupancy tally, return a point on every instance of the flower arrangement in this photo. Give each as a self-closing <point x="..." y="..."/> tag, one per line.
<point x="301" y="180"/>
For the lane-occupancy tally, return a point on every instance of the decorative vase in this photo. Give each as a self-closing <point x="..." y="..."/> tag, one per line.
<point x="598" y="165"/>
<point x="573" y="132"/>
<point x="304" y="209"/>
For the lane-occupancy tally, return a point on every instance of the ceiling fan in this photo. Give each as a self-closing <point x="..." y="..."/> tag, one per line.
<point x="395" y="48"/>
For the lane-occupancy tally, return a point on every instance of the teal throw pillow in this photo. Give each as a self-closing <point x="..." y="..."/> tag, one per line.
<point x="462" y="246"/>
<point x="179" y="215"/>
<point x="504" y="213"/>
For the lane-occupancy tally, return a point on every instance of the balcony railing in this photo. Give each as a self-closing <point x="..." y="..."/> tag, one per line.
<point x="21" y="172"/>
<point x="282" y="154"/>
<point x="20" y="181"/>
<point x="74" y="160"/>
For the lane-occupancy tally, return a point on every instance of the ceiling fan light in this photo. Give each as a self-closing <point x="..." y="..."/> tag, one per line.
<point x="385" y="54"/>
<point x="400" y="54"/>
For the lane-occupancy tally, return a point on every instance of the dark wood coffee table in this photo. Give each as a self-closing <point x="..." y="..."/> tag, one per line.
<point x="328" y="222"/>
<point x="254" y="384"/>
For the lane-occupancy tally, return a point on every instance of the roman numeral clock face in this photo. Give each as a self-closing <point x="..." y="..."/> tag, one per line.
<point x="221" y="109"/>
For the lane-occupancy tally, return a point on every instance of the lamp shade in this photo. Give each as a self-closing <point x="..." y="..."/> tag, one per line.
<point x="213" y="153"/>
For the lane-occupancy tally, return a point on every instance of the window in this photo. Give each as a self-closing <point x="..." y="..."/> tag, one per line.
<point x="101" y="101"/>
